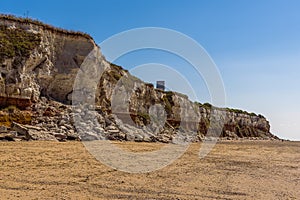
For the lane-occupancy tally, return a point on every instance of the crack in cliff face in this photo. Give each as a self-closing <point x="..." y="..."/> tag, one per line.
<point x="37" y="61"/>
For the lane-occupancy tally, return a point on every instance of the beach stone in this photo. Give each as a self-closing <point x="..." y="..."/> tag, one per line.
<point x="41" y="135"/>
<point x="60" y="137"/>
<point x="71" y="135"/>
<point x="113" y="131"/>
<point x="138" y="138"/>
<point x="116" y="136"/>
<point x="3" y="129"/>
<point x="68" y="126"/>
<point x="129" y="137"/>
<point x="98" y="129"/>
<point x="63" y="128"/>
<point x="7" y="136"/>
<point x="15" y="133"/>
<point x="111" y="128"/>
<point x="21" y="130"/>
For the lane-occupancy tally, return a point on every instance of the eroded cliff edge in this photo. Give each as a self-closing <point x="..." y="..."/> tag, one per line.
<point x="38" y="66"/>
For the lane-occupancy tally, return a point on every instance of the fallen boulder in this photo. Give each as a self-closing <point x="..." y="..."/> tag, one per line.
<point x="21" y="130"/>
<point x="3" y="129"/>
<point x="7" y="137"/>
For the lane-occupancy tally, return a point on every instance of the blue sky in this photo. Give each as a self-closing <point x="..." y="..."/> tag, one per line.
<point x="255" y="44"/>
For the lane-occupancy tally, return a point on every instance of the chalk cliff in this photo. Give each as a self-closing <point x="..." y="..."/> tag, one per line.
<point x="38" y="66"/>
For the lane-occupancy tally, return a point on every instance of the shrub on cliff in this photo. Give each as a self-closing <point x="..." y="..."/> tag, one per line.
<point x="16" y="42"/>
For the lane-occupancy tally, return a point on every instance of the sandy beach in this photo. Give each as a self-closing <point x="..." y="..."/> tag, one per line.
<point x="232" y="170"/>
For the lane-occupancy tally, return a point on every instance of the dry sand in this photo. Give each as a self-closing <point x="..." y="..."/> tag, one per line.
<point x="233" y="170"/>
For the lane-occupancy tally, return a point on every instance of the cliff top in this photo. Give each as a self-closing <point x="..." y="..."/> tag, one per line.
<point x="43" y="25"/>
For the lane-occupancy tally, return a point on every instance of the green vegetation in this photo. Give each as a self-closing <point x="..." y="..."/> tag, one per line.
<point x="43" y="25"/>
<point x="206" y="105"/>
<point x="168" y="100"/>
<point x="16" y="43"/>
<point x="240" y="111"/>
<point x="169" y="94"/>
<point x="10" y="109"/>
<point x="261" y="116"/>
<point x="197" y="103"/>
<point x="145" y="116"/>
<point x="209" y="106"/>
<point x="237" y="111"/>
<point x="116" y="67"/>
<point x="149" y="85"/>
<point x="115" y="74"/>
<point x="206" y="122"/>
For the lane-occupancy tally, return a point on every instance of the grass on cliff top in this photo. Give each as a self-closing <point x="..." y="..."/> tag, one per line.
<point x="16" y="42"/>
<point x="241" y="111"/>
<point x="41" y="24"/>
<point x="209" y="106"/>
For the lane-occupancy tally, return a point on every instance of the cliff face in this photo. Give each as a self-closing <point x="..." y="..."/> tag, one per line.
<point x="180" y="112"/>
<point x="39" y="61"/>
<point x="38" y="66"/>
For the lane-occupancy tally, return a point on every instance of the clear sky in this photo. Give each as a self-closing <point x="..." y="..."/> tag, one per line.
<point x="254" y="43"/>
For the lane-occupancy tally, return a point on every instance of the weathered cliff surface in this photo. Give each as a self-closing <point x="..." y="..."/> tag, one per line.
<point x="38" y="60"/>
<point x="38" y="66"/>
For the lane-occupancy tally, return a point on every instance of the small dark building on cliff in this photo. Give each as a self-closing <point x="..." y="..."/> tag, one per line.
<point x="160" y="85"/>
